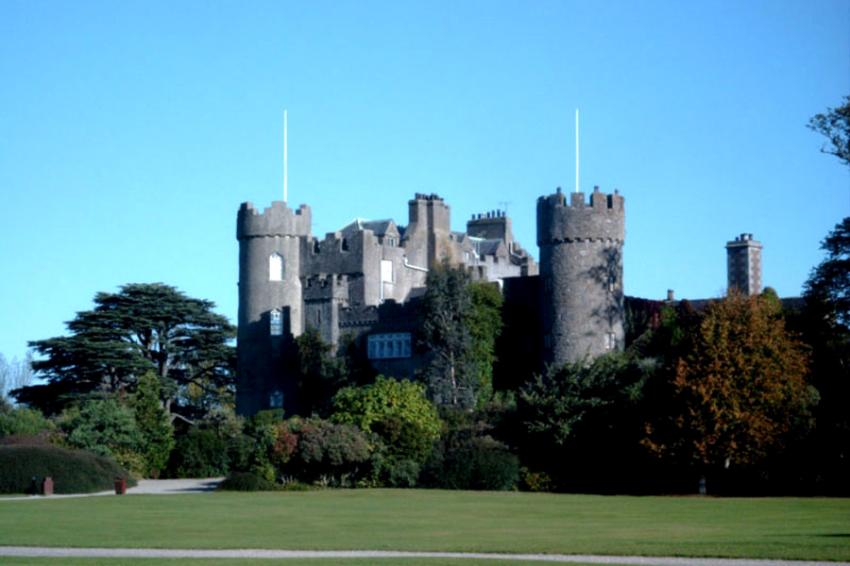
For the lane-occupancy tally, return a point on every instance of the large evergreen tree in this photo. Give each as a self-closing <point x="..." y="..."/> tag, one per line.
<point x="143" y="327"/>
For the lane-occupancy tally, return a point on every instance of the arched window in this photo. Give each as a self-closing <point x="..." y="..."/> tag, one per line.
<point x="275" y="267"/>
<point x="276" y="322"/>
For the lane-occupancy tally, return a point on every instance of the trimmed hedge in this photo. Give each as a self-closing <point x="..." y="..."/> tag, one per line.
<point x="73" y="471"/>
<point x="246" y="481"/>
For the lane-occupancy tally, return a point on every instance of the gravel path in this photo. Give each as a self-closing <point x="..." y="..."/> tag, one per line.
<point x="144" y="487"/>
<point x="27" y="551"/>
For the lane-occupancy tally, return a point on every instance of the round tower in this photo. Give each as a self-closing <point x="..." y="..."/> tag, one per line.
<point x="270" y="300"/>
<point x="581" y="271"/>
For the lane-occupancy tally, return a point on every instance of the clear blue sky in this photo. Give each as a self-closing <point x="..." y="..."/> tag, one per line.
<point x="130" y="132"/>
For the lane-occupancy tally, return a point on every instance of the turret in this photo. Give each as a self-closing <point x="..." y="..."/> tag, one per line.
<point x="270" y="300"/>
<point x="743" y="265"/>
<point x="581" y="266"/>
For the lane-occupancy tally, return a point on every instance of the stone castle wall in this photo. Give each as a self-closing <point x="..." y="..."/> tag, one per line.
<point x="581" y="267"/>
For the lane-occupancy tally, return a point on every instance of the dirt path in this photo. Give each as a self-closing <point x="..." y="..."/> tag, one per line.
<point x="27" y="551"/>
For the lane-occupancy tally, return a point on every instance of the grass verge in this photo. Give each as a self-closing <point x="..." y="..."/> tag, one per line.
<point x="791" y="528"/>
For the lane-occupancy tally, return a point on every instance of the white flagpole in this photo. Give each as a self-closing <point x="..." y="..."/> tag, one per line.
<point x="285" y="163"/>
<point x="577" y="161"/>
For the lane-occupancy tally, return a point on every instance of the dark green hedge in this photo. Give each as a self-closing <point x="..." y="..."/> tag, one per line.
<point x="246" y="481"/>
<point x="73" y="471"/>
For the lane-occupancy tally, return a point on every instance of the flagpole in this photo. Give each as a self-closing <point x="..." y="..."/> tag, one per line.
<point x="285" y="162"/>
<point x="577" y="160"/>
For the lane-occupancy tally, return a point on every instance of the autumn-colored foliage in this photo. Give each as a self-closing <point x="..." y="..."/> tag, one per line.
<point x="738" y="391"/>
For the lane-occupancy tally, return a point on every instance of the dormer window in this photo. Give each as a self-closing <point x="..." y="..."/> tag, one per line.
<point x="275" y="267"/>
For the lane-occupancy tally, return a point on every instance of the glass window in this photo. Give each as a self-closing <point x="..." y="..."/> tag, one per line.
<point x="276" y="322"/>
<point x="389" y="346"/>
<point x="275" y="267"/>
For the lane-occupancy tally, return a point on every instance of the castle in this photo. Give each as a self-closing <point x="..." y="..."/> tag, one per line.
<point x="363" y="281"/>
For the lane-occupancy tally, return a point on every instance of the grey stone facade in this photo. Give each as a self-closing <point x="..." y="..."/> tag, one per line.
<point x="365" y="280"/>
<point x="581" y="267"/>
<point x="347" y="282"/>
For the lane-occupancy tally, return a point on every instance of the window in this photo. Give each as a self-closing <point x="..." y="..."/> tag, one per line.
<point x="386" y="271"/>
<point x="276" y="399"/>
<point x="389" y="346"/>
<point x="276" y="322"/>
<point x="275" y="267"/>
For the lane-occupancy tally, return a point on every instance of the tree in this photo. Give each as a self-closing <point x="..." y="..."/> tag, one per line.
<point x="452" y="373"/>
<point x="14" y="374"/>
<point x="580" y="423"/>
<point x="739" y="390"/>
<point x="398" y="411"/>
<point x="157" y="434"/>
<point x="825" y="324"/>
<point x="320" y="373"/>
<point x="835" y="125"/>
<point x="105" y="427"/>
<point x="143" y="327"/>
<point x="828" y="286"/>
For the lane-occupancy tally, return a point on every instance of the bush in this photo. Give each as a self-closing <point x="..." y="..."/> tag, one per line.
<point x="200" y="453"/>
<point x="246" y="481"/>
<point x="396" y="410"/>
<point x="73" y="471"/>
<point x="335" y="454"/>
<point x="473" y="463"/>
<point x="401" y="473"/>
<point x="20" y="421"/>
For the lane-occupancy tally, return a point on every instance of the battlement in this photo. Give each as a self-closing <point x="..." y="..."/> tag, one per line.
<point x="276" y="220"/>
<point x="423" y="196"/>
<point x="744" y="240"/>
<point x="602" y="218"/>
<point x="325" y="287"/>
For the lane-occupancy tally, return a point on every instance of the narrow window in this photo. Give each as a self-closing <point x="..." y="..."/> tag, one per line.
<point x="275" y="267"/>
<point x="276" y="399"/>
<point x="275" y="322"/>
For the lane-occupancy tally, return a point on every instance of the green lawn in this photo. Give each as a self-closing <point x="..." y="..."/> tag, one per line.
<point x="440" y="521"/>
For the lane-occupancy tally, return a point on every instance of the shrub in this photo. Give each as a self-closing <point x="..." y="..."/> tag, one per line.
<point x="472" y="463"/>
<point x="397" y="411"/>
<point x="200" y="453"/>
<point x="401" y="473"/>
<point x="20" y="421"/>
<point x="73" y="471"/>
<point x="155" y="430"/>
<point x="246" y="481"/>
<point x="102" y="426"/>
<point x="335" y="454"/>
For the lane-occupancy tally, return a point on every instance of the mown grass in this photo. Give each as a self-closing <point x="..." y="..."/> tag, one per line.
<point x="509" y="522"/>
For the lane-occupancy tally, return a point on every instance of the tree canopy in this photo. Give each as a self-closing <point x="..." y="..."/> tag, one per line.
<point x="835" y="125"/>
<point x="462" y="321"/>
<point x="738" y="391"/>
<point x="829" y="283"/>
<point x="144" y="327"/>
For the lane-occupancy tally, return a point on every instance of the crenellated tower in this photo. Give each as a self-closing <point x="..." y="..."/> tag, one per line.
<point x="270" y="300"/>
<point x="581" y="267"/>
